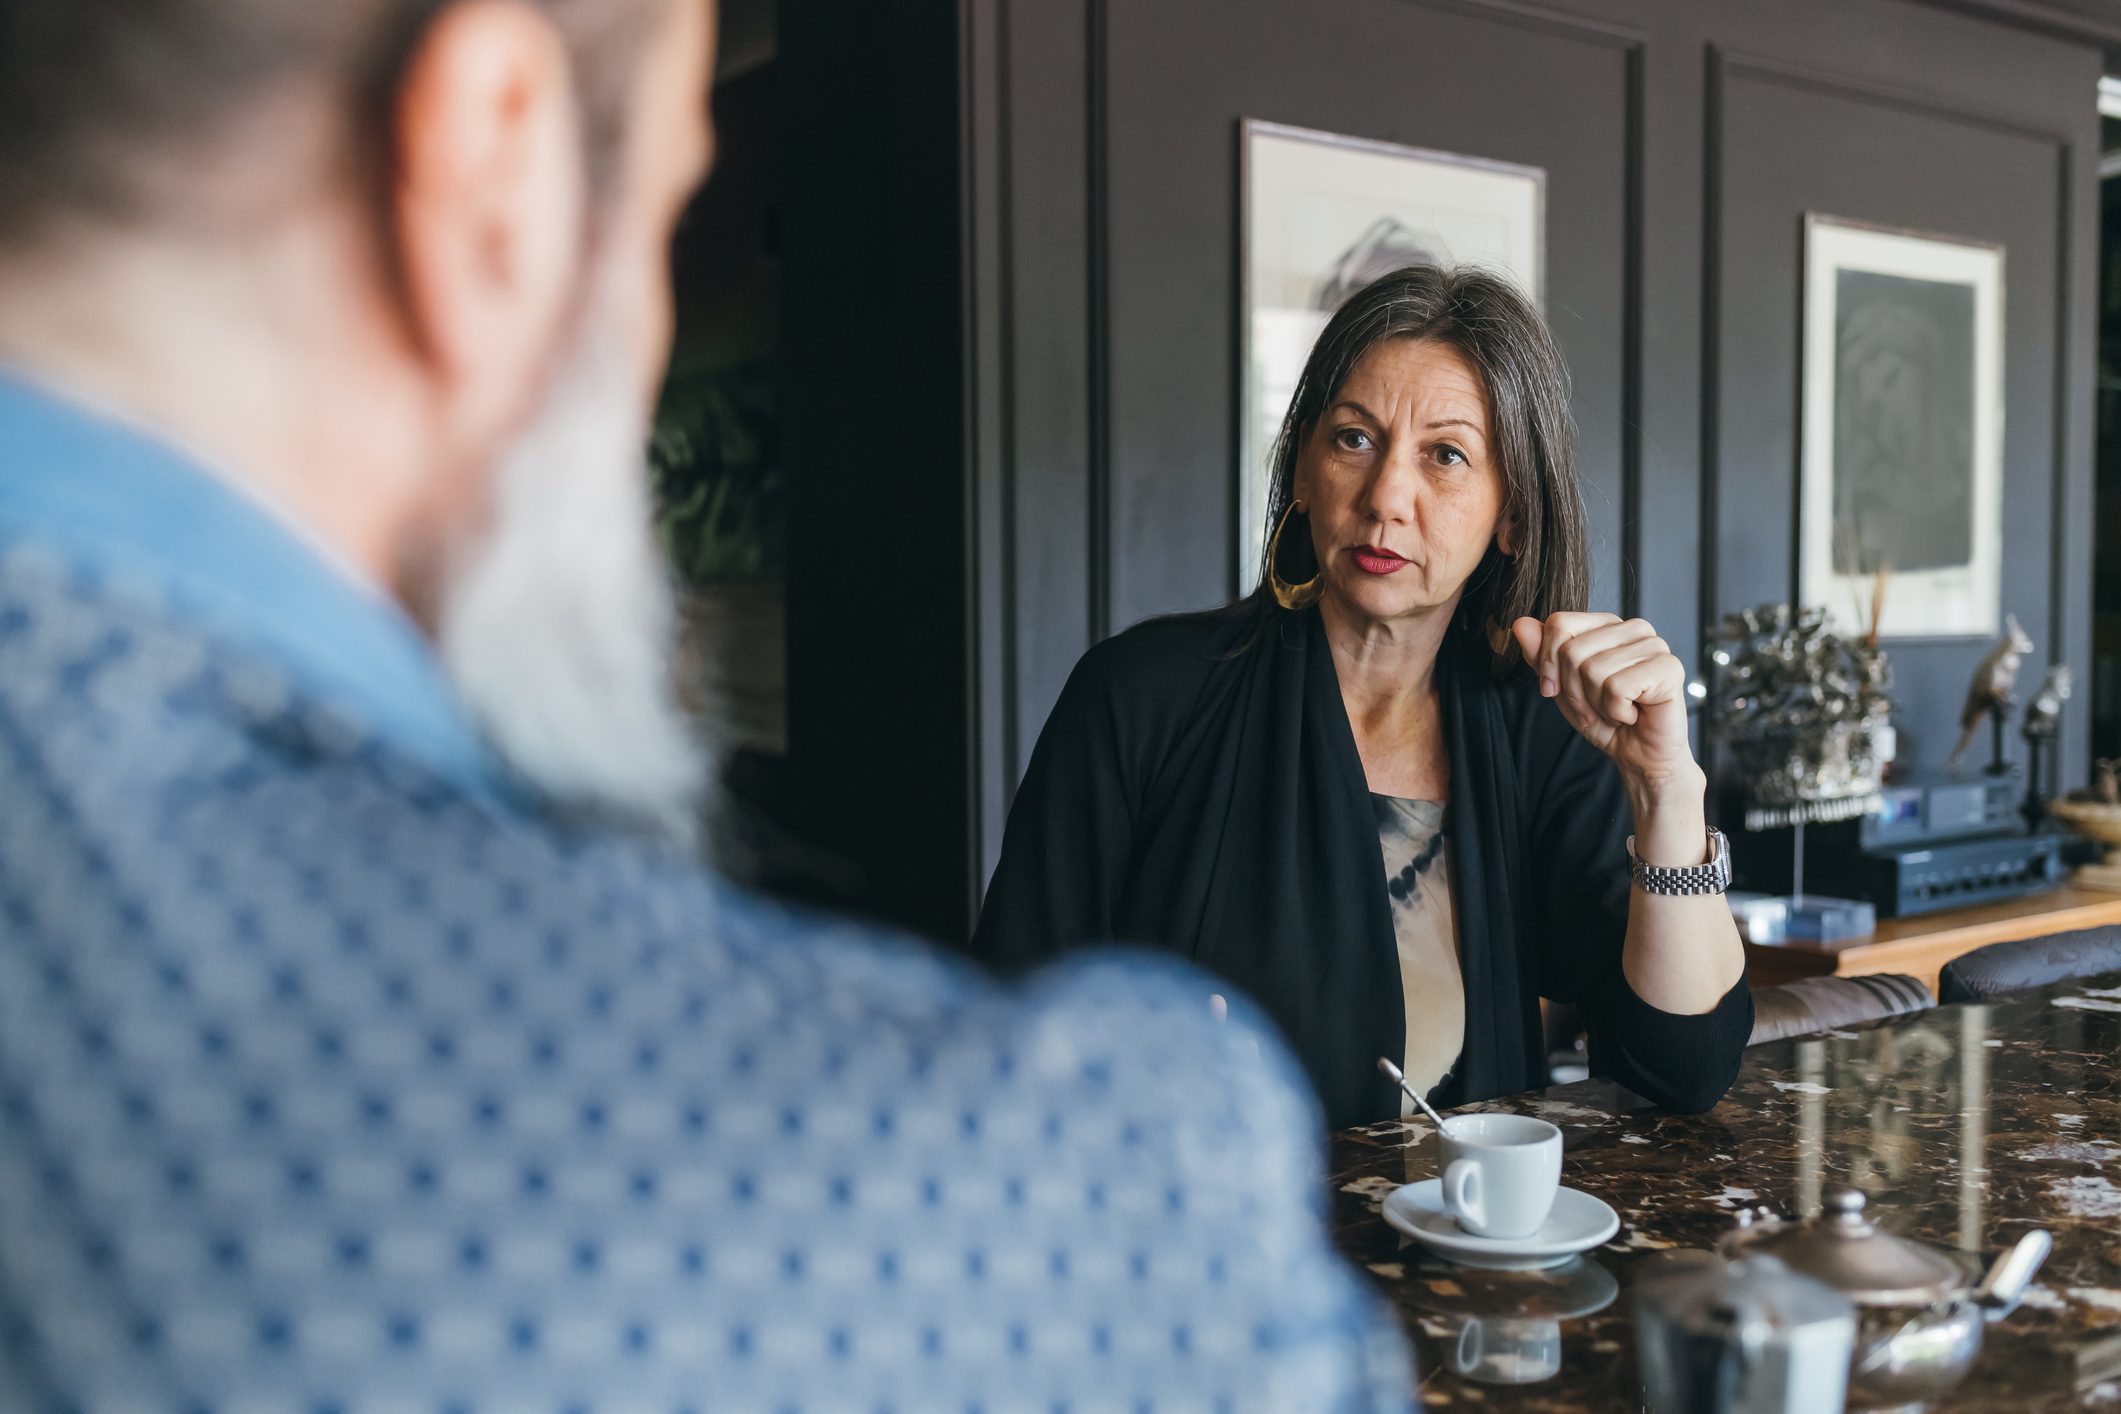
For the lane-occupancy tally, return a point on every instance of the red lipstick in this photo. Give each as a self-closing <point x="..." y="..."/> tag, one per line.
<point x="1375" y="559"/>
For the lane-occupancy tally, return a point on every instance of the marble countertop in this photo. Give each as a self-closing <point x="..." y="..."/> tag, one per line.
<point x="1964" y="1125"/>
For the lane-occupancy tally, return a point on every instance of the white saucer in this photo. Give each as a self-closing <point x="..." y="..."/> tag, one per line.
<point x="1578" y="1223"/>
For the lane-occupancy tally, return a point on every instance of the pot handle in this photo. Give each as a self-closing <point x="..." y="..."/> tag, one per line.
<point x="2003" y="1287"/>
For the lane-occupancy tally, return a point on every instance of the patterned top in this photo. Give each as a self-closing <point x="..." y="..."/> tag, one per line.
<point x="1418" y="882"/>
<point x="333" y="1077"/>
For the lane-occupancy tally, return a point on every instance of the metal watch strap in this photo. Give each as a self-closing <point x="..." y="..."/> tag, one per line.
<point x="1713" y="877"/>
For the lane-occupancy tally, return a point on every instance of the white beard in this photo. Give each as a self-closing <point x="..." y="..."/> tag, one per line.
<point x="557" y="623"/>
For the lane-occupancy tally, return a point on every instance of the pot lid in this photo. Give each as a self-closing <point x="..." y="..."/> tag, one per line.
<point x="1845" y="1249"/>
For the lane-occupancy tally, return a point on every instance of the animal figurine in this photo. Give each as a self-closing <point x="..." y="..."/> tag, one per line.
<point x="1990" y="693"/>
<point x="2043" y="715"/>
<point x="2043" y="721"/>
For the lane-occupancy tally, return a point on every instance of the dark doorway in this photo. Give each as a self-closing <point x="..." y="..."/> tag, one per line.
<point x="2106" y="554"/>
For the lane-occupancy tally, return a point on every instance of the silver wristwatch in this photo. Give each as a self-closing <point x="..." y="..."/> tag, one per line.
<point x="1713" y="877"/>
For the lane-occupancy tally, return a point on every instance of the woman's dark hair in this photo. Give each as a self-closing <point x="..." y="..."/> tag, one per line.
<point x="1532" y="435"/>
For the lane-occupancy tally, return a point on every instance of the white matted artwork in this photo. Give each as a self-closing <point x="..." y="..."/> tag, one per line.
<point x="1324" y="214"/>
<point x="1902" y="481"/>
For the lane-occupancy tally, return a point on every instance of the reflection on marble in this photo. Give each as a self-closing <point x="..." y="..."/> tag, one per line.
<point x="1502" y="1350"/>
<point x="1965" y="1125"/>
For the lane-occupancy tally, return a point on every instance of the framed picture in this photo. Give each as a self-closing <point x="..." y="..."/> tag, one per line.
<point x="1321" y="215"/>
<point x="1900" y="501"/>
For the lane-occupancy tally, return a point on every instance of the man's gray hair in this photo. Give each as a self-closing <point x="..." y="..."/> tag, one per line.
<point x="109" y="109"/>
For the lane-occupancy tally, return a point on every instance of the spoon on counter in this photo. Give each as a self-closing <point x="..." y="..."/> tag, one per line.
<point x="1392" y="1073"/>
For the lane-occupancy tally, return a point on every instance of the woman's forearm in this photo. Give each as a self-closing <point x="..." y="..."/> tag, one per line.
<point x="1619" y="685"/>
<point x="1682" y="953"/>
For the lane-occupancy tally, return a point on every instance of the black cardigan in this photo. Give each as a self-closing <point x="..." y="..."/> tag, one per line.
<point x="1197" y="788"/>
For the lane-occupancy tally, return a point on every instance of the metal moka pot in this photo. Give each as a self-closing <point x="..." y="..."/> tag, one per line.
<point x="1920" y="1309"/>
<point x="1746" y="1336"/>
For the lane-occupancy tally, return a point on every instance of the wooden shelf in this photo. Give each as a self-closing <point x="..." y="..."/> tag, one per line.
<point x="1920" y="947"/>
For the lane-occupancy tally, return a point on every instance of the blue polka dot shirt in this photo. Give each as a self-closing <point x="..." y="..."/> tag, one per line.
<point x="334" y="1077"/>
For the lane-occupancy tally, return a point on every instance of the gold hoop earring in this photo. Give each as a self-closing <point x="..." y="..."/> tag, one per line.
<point x="1290" y="596"/>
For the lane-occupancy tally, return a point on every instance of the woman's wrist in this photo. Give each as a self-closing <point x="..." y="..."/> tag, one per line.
<point x="1671" y="817"/>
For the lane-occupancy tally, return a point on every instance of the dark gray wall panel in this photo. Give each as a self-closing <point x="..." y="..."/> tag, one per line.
<point x="1891" y="158"/>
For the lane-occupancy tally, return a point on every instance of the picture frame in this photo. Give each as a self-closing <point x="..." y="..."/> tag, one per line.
<point x="1900" y="484"/>
<point x="1319" y="215"/>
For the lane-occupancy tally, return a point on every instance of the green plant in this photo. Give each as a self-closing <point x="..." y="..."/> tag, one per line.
<point x="715" y="459"/>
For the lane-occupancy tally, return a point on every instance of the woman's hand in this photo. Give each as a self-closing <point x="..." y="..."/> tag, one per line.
<point x="1619" y="685"/>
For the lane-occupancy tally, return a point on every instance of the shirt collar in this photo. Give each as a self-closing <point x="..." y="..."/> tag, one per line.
<point x="115" y="497"/>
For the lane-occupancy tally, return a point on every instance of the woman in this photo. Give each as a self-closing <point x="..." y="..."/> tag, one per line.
<point x="1349" y="795"/>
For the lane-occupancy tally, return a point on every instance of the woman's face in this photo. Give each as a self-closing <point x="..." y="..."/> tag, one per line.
<point x="1400" y="482"/>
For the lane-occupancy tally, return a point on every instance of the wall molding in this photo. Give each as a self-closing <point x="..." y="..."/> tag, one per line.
<point x="2065" y="623"/>
<point x="1708" y="553"/>
<point x="1099" y="272"/>
<point x="1634" y="294"/>
<point x="2041" y="17"/>
<point x="1544" y="19"/>
<point x="1923" y="102"/>
<point x="990" y="409"/>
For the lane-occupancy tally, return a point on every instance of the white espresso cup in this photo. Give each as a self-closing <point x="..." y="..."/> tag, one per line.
<point x="1500" y="1172"/>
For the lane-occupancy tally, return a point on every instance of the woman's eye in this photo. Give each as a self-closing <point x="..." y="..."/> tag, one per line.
<point x="1449" y="455"/>
<point x="1352" y="439"/>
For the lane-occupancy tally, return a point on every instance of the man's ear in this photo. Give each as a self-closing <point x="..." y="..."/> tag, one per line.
<point x="487" y="201"/>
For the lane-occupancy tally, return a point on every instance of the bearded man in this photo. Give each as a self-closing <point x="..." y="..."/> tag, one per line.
<point x="367" y="1040"/>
